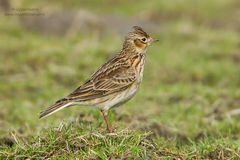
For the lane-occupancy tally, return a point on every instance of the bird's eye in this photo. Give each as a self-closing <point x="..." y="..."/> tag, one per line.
<point x="143" y="39"/>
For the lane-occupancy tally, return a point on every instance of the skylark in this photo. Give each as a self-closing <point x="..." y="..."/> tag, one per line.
<point x="115" y="82"/>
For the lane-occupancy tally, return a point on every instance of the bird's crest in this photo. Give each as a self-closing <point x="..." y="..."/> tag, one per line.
<point x="139" y="31"/>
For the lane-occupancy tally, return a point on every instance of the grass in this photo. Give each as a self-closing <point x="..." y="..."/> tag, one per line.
<point x="183" y="109"/>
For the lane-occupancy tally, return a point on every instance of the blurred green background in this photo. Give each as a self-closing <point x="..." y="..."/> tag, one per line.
<point x="190" y="95"/>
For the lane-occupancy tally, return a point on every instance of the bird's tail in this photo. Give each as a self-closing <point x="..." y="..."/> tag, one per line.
<point x="60" y="104"/>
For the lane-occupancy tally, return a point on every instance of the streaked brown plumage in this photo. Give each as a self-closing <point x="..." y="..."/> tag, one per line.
<point x="115" y="82"/>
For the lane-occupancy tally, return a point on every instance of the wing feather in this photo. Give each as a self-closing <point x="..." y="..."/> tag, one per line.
<point x="111" y="77"/>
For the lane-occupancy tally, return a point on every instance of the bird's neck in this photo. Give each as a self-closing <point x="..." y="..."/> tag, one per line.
<point x="130" y="49"/>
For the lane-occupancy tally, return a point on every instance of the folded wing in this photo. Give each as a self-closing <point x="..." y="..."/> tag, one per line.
<point x="111" y="79"/>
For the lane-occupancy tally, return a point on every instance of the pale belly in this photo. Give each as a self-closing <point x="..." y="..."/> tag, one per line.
<point x="122" y="97"/>
<point x="112" y="100"/>
<point x="116" y="100"/>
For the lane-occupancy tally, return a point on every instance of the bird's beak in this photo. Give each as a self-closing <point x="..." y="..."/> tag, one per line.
<point x="153" y="40"/>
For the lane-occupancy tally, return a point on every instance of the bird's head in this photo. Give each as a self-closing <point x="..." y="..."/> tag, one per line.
<point x="138" y="39"/>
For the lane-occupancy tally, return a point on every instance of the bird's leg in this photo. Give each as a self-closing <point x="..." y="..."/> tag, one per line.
<point x="105" y="116"/>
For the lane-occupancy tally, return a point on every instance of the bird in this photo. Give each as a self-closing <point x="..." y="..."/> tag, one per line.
<point x="115" y="82"/>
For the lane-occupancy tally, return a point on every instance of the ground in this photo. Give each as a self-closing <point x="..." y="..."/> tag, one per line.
<point x="186" y="108"/>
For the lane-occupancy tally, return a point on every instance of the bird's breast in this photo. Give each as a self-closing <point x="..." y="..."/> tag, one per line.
<point x="140" y="67"/>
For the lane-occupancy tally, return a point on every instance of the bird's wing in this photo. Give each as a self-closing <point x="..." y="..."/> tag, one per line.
<point x="114" y="76"/>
